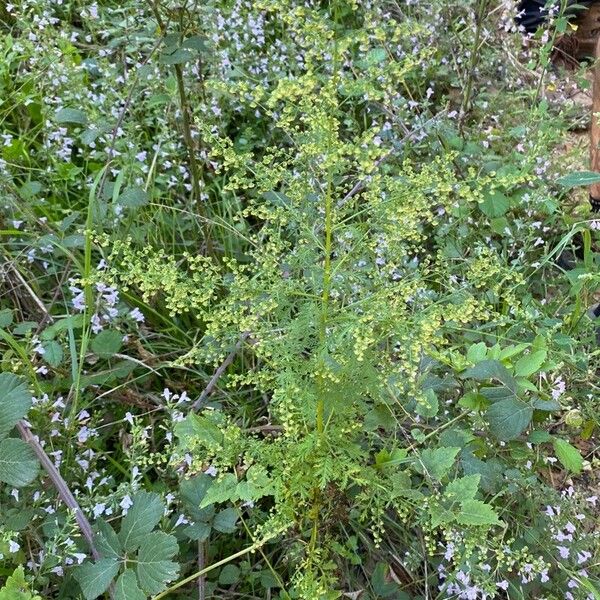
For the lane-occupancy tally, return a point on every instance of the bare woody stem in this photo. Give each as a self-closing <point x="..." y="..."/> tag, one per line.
<point x="61" y="487"/>
<point x="595" y="130"/>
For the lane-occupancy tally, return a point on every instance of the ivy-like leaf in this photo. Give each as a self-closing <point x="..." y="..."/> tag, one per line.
<point x="475" y="512"/>
<point x="127" y="588"/>
<point x="15" y="401"/>
<point x="18" y="464"/>
<point x="94" y="578"/>
<point x="154" y="567"/>
<point x="140" y="520"/>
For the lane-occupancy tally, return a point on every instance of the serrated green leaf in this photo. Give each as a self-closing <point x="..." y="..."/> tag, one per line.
<point x="107" y="541"/>
<point x="154" y="567"/>
<point x="509" y="418"/>
<point x="15" y="401"/>
<point x="229" y="575"/>
<point x="579" y="178"/>
<point x="198" y="531"/>
<point x="94" y="578"/>
<point x="568" y="455"/>
<point x="193" y="491"/>
<point x="18" y="463"/>
<point x="178" y="57"/>
<point x="127" y="588"/>
<point x="222" y="490"/>
<point x="71" y="115"/>
<point x="437" y="462"/>
<point x="476" y="353"/>
<point x="440" y="515"/>
<point x="107" y="343"/>
<point x="17" y="588"/>
<point x="226" y="520"/>
<point x="53" y="353"/>
<point x="141" y="518"/>
<point x="530" y="363"/>
<point x="495" y="204"/>
<point x="463" y="488"/>
<point x="491" y="369"/>
<point x="475" y="512"/>
<point x="133" y="197"/>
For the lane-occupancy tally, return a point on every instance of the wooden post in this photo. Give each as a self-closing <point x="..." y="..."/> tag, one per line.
<point x="595" y="131"/>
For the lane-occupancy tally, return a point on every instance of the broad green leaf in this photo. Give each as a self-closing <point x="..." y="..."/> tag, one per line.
<point x="6" y="317"/>
<point x="107" y="343"/>
<point x="198" y="531"/>
<point x="94" y="578"/>
<point x="18" y="463"/>
<point x="16" y="588"/>
<point x="107" y="541"/>
<point x="127" y="588"/>
<point x="15" y="401"/>
<point x="53" y="354"/>
<point x="530" y="363"/>
<point x="509" y="418"/>
<point x="473" y="401"/>
<point x="495" y="204"/>
<point x="204" y="429"/>
<point x="428" y="406"/>
<point x="154" y="567"/>
<point x="226" y="520"/>
<point x="178" y="57"/>
<point x="195" y="42"/>
<point x="490" y="471"/>
<point x="193" y="491"/>
<point x="145" y="513"/>
<point x="579" y="178"/>
<point x="133" y="197"/>
<point x="437" y="462"/>
<point x="475" y="512"/>
<point x="491" y="369"/>
<point x="440" y="515"/>
<point x="476" y="353"/>
<point x="463" y="488"/>
<point x="547" y="405"/>
<point x="568" y="455"/>
<point x="229" y="574"/>
<point x="71" y="115"/>
<point x="222" y="490"/>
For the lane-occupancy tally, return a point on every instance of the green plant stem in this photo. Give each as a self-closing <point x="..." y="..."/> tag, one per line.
<point x="201" y="572"/>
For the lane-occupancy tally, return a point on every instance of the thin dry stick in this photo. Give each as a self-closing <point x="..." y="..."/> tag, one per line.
<point x="213" y="380"/>
<point x="61" y="487"/>
<point x="201" y="579"/>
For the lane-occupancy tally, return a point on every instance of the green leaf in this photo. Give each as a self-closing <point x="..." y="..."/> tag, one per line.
<point x="530" y="363"/>
<point x="437" y="462"/>
<point x="579" y="178"/>
<point x="71" y="115"/>
<point x="145" y="513"/>
<point x="6" y="317"/>
<point x="229" y="575"/>
<point x="180" y="56"/>
<point x="491" y="369"/>
<point x="53" y="354"/>
<point x="509" y="418"/>
<point x="193" y="491"/>
<point x="127" y="588"/>
<point x="18" y="464"/>
<point x="16" y="588"/>
<point x="198" y="532"/>
<point x="225" y="521"/>
<point x="463" y="488"/>
<point x="154" y="567"/>
<point x="133" y="197"/>
<point x="15" y="401"/>
<point x="440" y="515"/>
<point x="568" y="455"/>
<point x="495" y="204"/>
<point x="222" y="490"/>
<point x="94" y="578"/>
<point x="428" y="406"/>
<point x="476" y="353"/>
<point x="475" y="512"/>
<point x="107" y="541"/>
<point x="107" y="343"/>
<point x="546" y="405"/>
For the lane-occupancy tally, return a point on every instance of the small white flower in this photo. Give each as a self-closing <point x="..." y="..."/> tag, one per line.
<point x="13" y="547"/>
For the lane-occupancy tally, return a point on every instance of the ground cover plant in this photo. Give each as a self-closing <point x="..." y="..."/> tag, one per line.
<point x="294" y="303"/>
